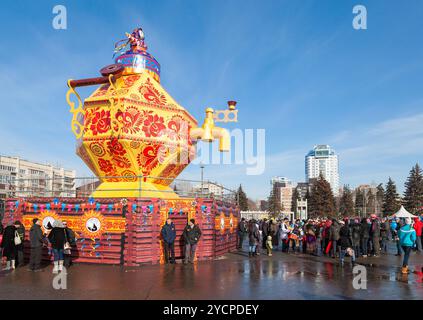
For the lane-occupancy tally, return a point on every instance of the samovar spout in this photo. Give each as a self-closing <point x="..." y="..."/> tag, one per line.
<point x="209" y="132"/>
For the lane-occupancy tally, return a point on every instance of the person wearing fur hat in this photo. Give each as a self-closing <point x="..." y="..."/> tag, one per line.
<point x="407" y="239"/>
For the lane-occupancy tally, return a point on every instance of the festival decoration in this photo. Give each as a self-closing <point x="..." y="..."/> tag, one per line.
<point x="131" y="133"/>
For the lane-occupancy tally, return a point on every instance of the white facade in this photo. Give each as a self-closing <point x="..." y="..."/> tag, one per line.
<point x="23" y="178"/>
<point x="256" y="215"/>
<point x="323" y="160"/>
<point x="302" y="212"/>
<point x="209" y="188"/>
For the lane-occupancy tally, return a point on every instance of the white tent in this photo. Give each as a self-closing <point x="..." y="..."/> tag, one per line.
<point x="402" y="213"/>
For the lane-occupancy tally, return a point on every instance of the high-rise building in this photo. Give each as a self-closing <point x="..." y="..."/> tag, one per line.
<point x="283" y="188"/>
<point x="323" y="160"/>
<point x="23" y="178"/>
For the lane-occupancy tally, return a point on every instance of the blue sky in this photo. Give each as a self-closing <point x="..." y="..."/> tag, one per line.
<point x="297" y="69"/>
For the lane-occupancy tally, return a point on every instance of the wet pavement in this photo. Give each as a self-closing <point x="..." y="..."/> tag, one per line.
<point x="234" y="276"/>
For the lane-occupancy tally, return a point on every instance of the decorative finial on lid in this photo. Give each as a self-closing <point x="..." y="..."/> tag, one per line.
<point x="132" y="54"/>
<point x="135" y="40"/>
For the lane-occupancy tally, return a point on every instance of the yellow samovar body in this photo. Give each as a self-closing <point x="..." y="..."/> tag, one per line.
<point x="131" y="133"/>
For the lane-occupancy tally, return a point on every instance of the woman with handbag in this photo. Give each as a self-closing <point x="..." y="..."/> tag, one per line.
<point x="57" y="238"/>
<point x="9" y="245"/>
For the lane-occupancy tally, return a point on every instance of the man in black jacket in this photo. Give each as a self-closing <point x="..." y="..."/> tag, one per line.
<point x="71" y="238"/>
<point x="192" y="234"/>
<point x="169" y="235"/>
<point x="375" y="235"/>
<point x="36" y="240"/>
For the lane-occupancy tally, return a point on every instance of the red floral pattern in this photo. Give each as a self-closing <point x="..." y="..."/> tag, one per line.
<point x="129" y="81"/>
<point x="151" y="94"/>
<point x="178" y="129"/>
<point x="106" y="166"/>
<point x="130" y="119"/>
<point x="115" y="147"/>
<point x="98" y="121"/>
<point x="150" y="156"/>
<point x="153" y="125"/>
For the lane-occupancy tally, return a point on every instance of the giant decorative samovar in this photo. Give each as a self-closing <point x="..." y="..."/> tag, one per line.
<point x="131" y="133"/>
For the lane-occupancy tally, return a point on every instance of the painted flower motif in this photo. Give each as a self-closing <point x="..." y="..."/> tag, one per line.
<point x="130" y="119"/>
<point x="121" y="162"/>
<point x="151" y="94"/>
<point x="153" y="125"/>
<point x="115" y="147"/>
<point x="129" y="81"/>
<point x="129" y="175"/>
<point x="151" y="156"/>
<point x="178" y="129"/>
<point x="99" y="121"/>
<point x="106" y="166"/>
<point x="97" y="149"/>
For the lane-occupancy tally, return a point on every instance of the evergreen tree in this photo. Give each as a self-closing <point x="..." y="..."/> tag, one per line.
<point x="322" y="202"/>
<point x="359" y="202"/>
<point x="273" y="204"/>
<point x="380" y="194"/>
<point x="390" y="199"/>
<point x="346" y="204"/>
<point x="413" y="194"/>
<point x="242" y="199"/>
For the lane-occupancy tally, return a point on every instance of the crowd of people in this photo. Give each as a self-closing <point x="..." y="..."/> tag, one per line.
<point x="336" y="238"/>
<point x="58" y="235"/>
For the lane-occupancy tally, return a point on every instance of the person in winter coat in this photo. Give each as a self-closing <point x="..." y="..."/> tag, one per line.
<point x="407" y="239"/>
<point x="36" y="239"/>
<point x="284" y="234"/>
<point x="326" y="236"/>
<point x="71" y="238"/>
<point x="191" y="235"/>
<point x="384" y="235"/>
<point x="398" y="225"/>
<point x="169" y="235"/>
<point x="355" y="237"/>
<point x="364" y="236"/>
<point x="273" y="231"/>
<point x="253" y="238"/>
<point x="57" y="238"/>
<point x="20" y="229"/>
<point x="375" y="235"/>
<point x="242" y="231"/>
<point x="9" y="247"/>
<point x="334" y="236"/>
<point x="418" y="226"/>
<point x="345" y="243"/>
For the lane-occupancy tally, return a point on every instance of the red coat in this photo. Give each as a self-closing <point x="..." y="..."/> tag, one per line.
<point x="418" y="226"/>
